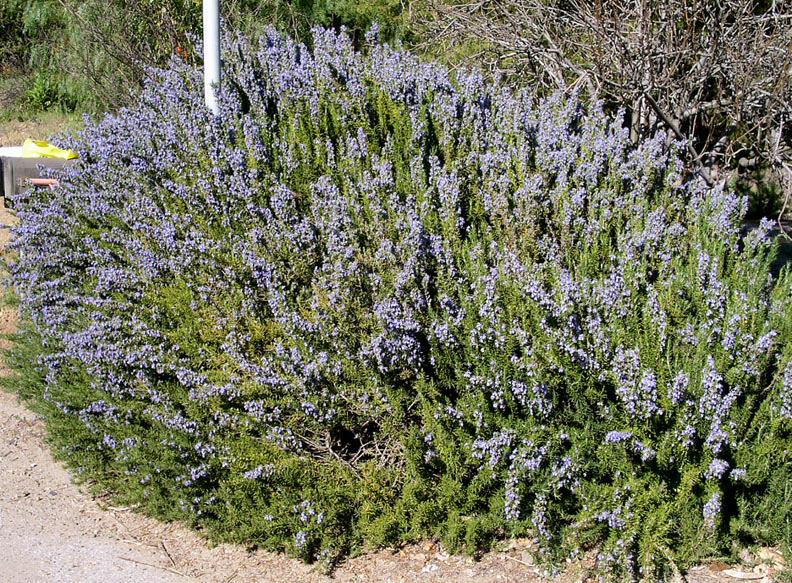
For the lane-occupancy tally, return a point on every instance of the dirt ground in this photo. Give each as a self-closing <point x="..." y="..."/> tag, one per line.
<point x="52" y="531"/>
<point x="15" y="130"/>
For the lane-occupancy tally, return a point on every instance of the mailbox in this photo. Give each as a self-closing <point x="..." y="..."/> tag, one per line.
<point x="16" y="171"/>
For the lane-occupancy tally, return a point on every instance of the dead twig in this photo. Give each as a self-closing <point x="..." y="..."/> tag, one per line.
<point x="167" y="552"/>
<point x="168" y="569"/>
<point x="516" y="560"/>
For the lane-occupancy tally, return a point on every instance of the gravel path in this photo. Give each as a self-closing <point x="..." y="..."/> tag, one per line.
<point x="49" y="530"/>
<point x="52" y="531"/>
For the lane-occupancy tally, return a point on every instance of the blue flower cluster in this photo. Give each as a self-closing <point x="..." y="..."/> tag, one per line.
<point x="494" y="304"/>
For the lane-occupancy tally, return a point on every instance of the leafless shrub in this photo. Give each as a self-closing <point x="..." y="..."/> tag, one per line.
<point x="713" y="72"/>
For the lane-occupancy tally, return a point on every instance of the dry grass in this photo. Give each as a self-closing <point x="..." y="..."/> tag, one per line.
<point x="14" y="129"/>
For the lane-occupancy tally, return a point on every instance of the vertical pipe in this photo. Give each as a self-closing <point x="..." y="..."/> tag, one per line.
<point x="211" y="44"/>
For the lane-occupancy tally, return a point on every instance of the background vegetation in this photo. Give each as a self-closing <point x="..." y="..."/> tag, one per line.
<point x="92" y="55"/>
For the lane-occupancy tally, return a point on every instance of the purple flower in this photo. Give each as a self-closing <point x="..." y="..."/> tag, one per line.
<point x="613" y="518"/>
<point x="715" y="405"/>
<point x="711" y="509"/>
<point x="678" y="388"/>
<point x="260" y="472"/>
<point x="645" y="452"/>
<point x="539" y="518"/>
<point x="493" y="450"/>
<point x="637" y="390"/>
<point x="785" y="408"/>
<point x="717" y="469"/>
<point x="765" y="342"/>
<point x="617" y="436"/>
<point x="565" y="474"/>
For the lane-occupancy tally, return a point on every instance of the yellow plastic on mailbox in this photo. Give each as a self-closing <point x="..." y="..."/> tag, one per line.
<point x="42" y="149"/>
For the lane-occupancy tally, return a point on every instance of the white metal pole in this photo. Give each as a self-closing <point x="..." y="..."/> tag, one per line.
<point x="211" y="43"/>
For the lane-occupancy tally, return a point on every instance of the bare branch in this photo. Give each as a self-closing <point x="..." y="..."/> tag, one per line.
<point x="717" y="76"/>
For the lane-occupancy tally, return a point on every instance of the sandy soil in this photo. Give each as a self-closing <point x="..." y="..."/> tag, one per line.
<point x="52" y="531"/>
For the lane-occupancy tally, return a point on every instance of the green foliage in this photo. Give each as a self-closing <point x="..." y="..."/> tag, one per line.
<point x="765" y="196"/>
<point x="46" y="93"/>
<point x="11" y="31"/>
<point x="372" y="302"/>
<point x="359" y="16"/>
<point x="28" y="30"/>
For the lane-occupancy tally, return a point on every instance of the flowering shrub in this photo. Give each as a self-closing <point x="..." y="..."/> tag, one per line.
<point x="371" y="302"/>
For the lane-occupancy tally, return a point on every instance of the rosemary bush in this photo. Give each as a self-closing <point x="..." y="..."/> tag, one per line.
<point x="371" y="302"/>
